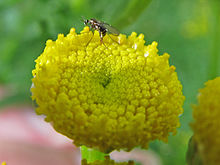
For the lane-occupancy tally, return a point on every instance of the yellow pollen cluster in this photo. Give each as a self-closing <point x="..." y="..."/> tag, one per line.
<point x="116" y="95"/>
<point x="107" y="161"/>
<point x="207" y="122"/>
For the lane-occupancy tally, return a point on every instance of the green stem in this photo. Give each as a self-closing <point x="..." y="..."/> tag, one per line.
<point x="192" y="155"/>
<point x="131" y="12"/>
<point x="91" y="155"/>
<point x="214" y="58"/>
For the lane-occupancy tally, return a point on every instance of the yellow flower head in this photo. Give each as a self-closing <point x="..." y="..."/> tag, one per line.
<point x="107" y="161"/>
<point x="3" y="163"/>
<point x="207" y="122"/>
<point x="116" y="95"/>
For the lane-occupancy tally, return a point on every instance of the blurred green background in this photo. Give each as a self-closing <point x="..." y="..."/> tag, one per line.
<point x="188" y="30"/>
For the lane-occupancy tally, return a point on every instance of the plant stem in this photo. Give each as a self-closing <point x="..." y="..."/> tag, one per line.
<point x="214" y="58"/>
<point x="91" y="155"/>
<point x="131" y="12"/>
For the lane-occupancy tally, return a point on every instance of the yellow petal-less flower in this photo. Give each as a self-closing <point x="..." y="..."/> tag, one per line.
<point x="116" y="95"/>
<point x="207" y="122"/>
<point x="107" y="161"/>
<point x="3" y="163"/>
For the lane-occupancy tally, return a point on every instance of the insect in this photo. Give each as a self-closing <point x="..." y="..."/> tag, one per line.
<point x="101" y="27"/>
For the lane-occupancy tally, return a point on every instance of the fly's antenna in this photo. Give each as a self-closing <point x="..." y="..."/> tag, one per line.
<point x="83" y="19"/>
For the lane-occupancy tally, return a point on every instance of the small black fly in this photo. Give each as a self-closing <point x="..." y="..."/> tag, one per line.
<point x="101" y="27"/>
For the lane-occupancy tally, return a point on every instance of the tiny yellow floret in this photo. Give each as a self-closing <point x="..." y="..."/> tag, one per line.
<point x="206" y="126"/>
<point x="117" y="95"/>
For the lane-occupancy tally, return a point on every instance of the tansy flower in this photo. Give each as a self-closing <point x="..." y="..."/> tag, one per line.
<point x="207" y="123"/>
<point x="107" y="161"/>
<point x="116" y="95"/>
<point x="3" y="163"/>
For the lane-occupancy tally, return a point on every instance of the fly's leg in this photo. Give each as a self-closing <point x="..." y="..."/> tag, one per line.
<point x="101" y="38"/>
<point x="113" y="39"/>
<point x="90" y="40"/>
<point x="92" y="30"/>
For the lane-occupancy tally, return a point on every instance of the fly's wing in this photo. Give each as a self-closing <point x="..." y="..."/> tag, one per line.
<point x="110" y="29"/>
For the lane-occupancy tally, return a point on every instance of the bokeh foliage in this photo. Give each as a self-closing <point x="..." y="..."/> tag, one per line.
<point x="188" y="30"/>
